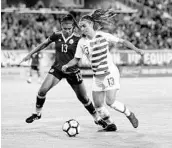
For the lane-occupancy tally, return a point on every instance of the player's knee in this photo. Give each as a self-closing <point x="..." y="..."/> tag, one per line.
<point x="42" y="93"/>
<point x="109" y="102"/>
<point x="113" y="104"/>
<point x="103" y="112"/>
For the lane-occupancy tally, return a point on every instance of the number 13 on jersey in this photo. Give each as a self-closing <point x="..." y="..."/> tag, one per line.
<point x="64" y="48"/>
<point x="111" y="81"/>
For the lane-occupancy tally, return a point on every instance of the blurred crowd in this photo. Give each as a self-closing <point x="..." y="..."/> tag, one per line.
<point x="162" y="5"/>
<point x="25" y="31"/>
<point x="145" y="33"/>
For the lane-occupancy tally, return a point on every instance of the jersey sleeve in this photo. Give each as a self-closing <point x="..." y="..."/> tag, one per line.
<point x="53" y="37"/>
<point x="79" y="50"/>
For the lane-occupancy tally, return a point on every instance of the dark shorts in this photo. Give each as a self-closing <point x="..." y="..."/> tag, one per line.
<point x="34" y="67"/>
<point x="74" y="78"/>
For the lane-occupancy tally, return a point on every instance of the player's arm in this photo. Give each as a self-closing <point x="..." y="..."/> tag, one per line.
<point x="37" y="49"/>
<point x="76" y="59"/>
<point x="71" y="63"/>
<point x="115" y="39"/>
<point x="131" y="46"/>
<point x="41" y="46"/>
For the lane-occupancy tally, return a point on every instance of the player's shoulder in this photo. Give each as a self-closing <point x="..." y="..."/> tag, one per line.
<point x="108" y="36"/>
<point x="82" y="41"/>
<point x="102" y="33"/>
<point x="57" y="33"/>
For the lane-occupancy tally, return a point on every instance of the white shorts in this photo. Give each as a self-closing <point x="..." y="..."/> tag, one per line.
<point x="109" y="82"/>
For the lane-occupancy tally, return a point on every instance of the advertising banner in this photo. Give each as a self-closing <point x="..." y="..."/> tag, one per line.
<point x="121" y="57"/>
<point x="13" y="57"/>
<point x="130" y="58"/>
<point x="145" y="71"/>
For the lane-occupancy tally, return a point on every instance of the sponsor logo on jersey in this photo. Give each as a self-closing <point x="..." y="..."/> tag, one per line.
<point x="52" y="70"/>
<point x="71" y="41"/>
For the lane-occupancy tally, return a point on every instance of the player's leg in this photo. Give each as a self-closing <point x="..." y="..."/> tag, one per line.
<point x="81" y="94"/>
<point x="98" y="94"/>
<point x="120" y="107"/>
<point x="76" y="82"/>
<point x="98" y="98"/>
<point x="39" y="74"/>
<point x="112" y="86"/>
<point x="47" y="84"/>
<point x="99" y="105"/>
<point x="29" y="80"/>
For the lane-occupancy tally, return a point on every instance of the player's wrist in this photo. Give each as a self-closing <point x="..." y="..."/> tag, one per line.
<point x="66" y="66"/>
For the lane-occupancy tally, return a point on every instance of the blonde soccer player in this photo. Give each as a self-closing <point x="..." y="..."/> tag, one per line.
<point x="95" y="45"/>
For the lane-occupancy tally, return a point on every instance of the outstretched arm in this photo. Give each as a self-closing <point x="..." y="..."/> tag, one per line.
<point x="71" y="63"/>
<point x="37" y="49"/>
<point x="131" y="46"/>
<point x="114" y="39"/>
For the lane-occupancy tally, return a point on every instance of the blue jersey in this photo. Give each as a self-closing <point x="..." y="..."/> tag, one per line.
<point x="65" y="49"/>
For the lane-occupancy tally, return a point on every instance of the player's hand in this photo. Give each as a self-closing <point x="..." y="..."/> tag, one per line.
<point x="141" y="52"/>
<point x="64" y="68"/>
<point x="25" y="59"/>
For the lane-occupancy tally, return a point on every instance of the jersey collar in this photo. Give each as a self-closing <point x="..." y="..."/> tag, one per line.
<point x="66" y="39"/>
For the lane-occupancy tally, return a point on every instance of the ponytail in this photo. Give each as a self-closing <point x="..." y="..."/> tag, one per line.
<point x="100" y="16"/>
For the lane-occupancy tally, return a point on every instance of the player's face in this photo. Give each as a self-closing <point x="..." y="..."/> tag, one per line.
<point x="86" y="27"/>
<point x="67" y="28"/>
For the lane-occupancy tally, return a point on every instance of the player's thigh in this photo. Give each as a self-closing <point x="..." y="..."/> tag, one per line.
<point x="49" y="81"/>
<point x="111" y="96"/>
<point x="98" y="98"/>
<point x="76" y="82"/>
<point x="79" y="89"/>
<point x="74" y="78"/>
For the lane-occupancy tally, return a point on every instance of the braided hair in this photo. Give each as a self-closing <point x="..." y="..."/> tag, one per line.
<point x="100" y="17"/>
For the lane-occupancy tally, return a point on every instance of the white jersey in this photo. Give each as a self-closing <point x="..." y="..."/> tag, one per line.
<point x="97" y="52"/>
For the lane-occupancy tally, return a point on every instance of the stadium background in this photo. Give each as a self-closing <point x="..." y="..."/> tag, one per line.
<point x="25" y="23"/>
<point x="146" y="23"/>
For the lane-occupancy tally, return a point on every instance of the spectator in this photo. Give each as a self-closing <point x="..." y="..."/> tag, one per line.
<point x="147" y="29"/>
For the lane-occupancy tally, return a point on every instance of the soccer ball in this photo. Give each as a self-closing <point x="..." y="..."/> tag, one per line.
<point x="71" y="127"/>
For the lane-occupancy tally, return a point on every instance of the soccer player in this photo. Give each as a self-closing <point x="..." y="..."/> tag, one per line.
<point x="95" y="45"/>
<point x="65" y="46"/>
<point x="35" y="66"/>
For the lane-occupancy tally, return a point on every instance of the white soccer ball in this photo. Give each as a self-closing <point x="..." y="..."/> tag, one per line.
<point x="71" y="127"/>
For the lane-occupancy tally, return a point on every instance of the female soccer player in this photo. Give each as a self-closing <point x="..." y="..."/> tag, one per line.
<point x="95" y="45"/>
<point x="65" y="46"/>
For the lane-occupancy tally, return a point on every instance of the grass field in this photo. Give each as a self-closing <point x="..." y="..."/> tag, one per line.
<point x="149" y="98"/>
